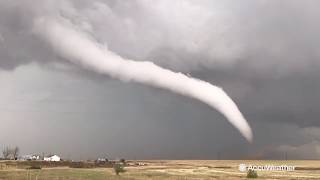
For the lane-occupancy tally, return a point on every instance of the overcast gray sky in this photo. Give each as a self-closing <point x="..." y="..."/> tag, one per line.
<point x="264" y="54"/>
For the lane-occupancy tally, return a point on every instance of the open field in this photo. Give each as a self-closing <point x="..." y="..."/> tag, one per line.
<point x="163" y="169"/>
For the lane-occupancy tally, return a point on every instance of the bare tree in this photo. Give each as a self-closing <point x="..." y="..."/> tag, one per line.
<point x="6" y="152"/>
<point x="15" y="152"/>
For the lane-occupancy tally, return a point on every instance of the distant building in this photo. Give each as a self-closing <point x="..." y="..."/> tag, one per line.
<point x="29" y="157"/>
<point x="102" y="160"/>
<point x="52" y="158"/>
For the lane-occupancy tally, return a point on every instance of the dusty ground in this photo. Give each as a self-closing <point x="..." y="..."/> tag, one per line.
<point x="229" y="169"/>
<point x="170" y="169"/>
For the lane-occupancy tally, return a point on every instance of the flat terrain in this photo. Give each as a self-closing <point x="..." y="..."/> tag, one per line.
<point x="171" y="169"/>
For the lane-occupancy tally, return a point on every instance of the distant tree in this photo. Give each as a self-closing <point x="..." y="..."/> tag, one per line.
<point x="118" y="168"/>
<point x="123" y="161"/>
<point x="6" y="152"/>
<point x="252" y="174"/>
<point x="15" y="152"/>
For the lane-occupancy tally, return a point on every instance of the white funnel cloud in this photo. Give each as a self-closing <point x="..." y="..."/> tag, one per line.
<point x="79" y="48"/>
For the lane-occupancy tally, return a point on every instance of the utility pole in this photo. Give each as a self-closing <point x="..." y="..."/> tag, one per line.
<point x="285" y="155"/>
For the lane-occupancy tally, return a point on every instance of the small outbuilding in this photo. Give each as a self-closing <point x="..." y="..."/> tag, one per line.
<point x="29" y="158"/>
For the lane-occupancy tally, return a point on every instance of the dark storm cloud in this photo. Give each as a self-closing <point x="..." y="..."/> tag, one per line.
<point x="265" y="54"/>
<point x="273" y="35"/>
<point x="18" y="45"/>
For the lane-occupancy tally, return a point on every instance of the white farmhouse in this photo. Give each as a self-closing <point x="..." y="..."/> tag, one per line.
<point x="52" y="158"/>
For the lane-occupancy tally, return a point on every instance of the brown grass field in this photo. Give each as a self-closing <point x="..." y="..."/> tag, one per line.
<point x="163" y="169"/>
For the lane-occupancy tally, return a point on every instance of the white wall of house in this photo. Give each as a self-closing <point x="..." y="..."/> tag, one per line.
<point x="52" y="158"/>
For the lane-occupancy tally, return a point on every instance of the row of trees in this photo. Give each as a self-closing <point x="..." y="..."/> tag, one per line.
<point x="9" y="153"/>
